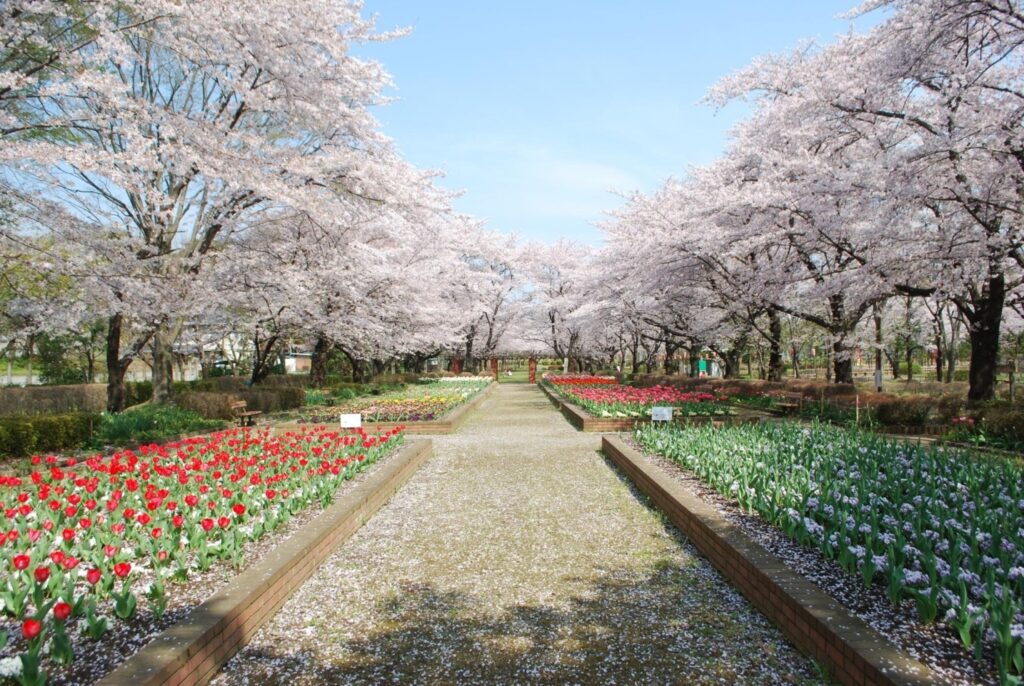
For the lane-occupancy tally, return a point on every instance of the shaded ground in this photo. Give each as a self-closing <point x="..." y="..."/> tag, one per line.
<point x="517" y="555"/>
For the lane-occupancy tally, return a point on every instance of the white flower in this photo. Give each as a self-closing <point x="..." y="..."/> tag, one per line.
<point x="10" y="667"/>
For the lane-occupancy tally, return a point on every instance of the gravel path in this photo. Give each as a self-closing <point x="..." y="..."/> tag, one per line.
<point x="517" y="555"/>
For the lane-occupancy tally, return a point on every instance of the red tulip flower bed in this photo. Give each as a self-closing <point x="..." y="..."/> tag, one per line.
<point x="580" y="380"/>
<point x="604" y="400"/>
<point x="76" y="540"/>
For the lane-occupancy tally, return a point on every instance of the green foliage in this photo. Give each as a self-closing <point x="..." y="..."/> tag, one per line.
<point x="138" y="392"/>
<point x="906" y="412"/>
<point x="150" y="423"/>
<point x="22" y="435"/>
<point x="57" y="363"/>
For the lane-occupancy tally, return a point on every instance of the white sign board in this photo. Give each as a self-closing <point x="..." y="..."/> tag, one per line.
<point x="351" y="421"/>
<point x="661" y="414"/>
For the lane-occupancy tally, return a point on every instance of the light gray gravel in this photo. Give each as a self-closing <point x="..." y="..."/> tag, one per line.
<point x="517" y="555"/>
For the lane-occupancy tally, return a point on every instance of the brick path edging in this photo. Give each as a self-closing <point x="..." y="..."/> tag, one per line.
<point x="445" y="425"/>
<point x="193" y="650"/>
<point x="853" y="653"/>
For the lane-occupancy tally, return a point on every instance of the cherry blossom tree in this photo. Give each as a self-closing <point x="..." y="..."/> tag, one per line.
<point x="164" y="127"/>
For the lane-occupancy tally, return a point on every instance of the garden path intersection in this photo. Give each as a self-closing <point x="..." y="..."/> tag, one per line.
<point x="516" y="554"/>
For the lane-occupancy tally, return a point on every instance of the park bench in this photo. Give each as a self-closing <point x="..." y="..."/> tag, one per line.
<point x="245" y="416"/>
<point x="787" y="400"/>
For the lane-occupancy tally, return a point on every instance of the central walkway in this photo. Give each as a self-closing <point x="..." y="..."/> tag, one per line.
<point x="517" y="555"/>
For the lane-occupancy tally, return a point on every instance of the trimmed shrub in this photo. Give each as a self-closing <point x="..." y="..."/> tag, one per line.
<point x="53" y="399"/>
<point x="905" y="412"/>
<point x="207" y="404"/>
<point x="268" y="400"/>
<point x="286" y="380"/>
<point x="1006" y="423"/>
<point x="22" y="435"/>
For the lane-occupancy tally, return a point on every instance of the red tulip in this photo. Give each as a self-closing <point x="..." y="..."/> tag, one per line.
<point x="207" y="524"/>
<point x="93" y="576"/>
<point x="42" y="574"/>
<point x="238" y="509"/>
<point x="61" y="611"/>
<point x="21" y="562"/>
<point x="31" y="628"/>
<point x="122" y="569"/>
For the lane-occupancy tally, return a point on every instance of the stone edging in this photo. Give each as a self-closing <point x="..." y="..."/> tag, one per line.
<point x="584" y="421"/>
<point x="445" y="425"/>
<point x="853" y="653"/>
<point x="193" y="650"/>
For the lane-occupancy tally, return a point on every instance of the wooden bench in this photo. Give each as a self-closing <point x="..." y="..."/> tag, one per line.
<point x="787" y="400"/>
<point x="245" y="417"/>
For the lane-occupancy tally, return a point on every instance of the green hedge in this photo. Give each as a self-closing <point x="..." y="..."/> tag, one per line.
<point x="22" y="435"/>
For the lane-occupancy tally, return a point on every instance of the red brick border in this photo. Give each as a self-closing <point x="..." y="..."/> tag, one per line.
<point x="446" y="425"/>
<point x="854" y="653"/>
<point x="193" y="650"/>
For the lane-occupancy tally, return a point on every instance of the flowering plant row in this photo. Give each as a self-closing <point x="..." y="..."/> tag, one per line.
<point x="941" y="529"/>
<point x="625" y="401"/>
<point x="580" y="380"/>
<point x="456" y="380"/>
<point x="77" y="539"/>
<point x="413" y="404"/>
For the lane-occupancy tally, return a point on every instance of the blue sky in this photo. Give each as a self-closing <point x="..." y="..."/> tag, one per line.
<point x="536" y="110"/>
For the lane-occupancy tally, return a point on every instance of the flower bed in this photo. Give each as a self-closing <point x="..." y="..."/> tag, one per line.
<point x="942" y="530"/>
<point x="601" y="399"/>
<point x="580" y="380"/>
<point x="422" y="403"/>
<point x="84" y="546"/>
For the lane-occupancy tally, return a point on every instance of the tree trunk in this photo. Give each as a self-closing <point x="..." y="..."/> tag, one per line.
<point x="163" y="368"/>
<point x="263" y="358"/>
<point x="910" y="362"/>
<point x="318" y="365"/>
<point x="694" y="361"/>
<point x="985" y="321"/>
<point x="878" y="340"/>
<point x="28" y="360"/>
<point x="117" y="394"/>
<point x="842" y="362"/>
<point x="775" y="354"/>
<point x="671" y="365"/>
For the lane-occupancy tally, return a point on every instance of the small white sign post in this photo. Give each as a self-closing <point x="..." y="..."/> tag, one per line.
<point x="661" y="414"/>
<point x="351" y="421"/>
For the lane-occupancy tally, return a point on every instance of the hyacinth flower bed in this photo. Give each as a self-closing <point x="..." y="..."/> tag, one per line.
<point x="422" y="403"/>
<point x="941" y="530"/>
<point x="111" y="541"/>
<point x="601" y="399"/>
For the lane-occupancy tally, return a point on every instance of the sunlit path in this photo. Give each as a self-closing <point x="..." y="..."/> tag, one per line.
<point x="517" y="555"/>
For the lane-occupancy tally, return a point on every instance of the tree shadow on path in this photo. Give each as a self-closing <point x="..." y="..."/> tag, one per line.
<point x="675" y="625"/>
